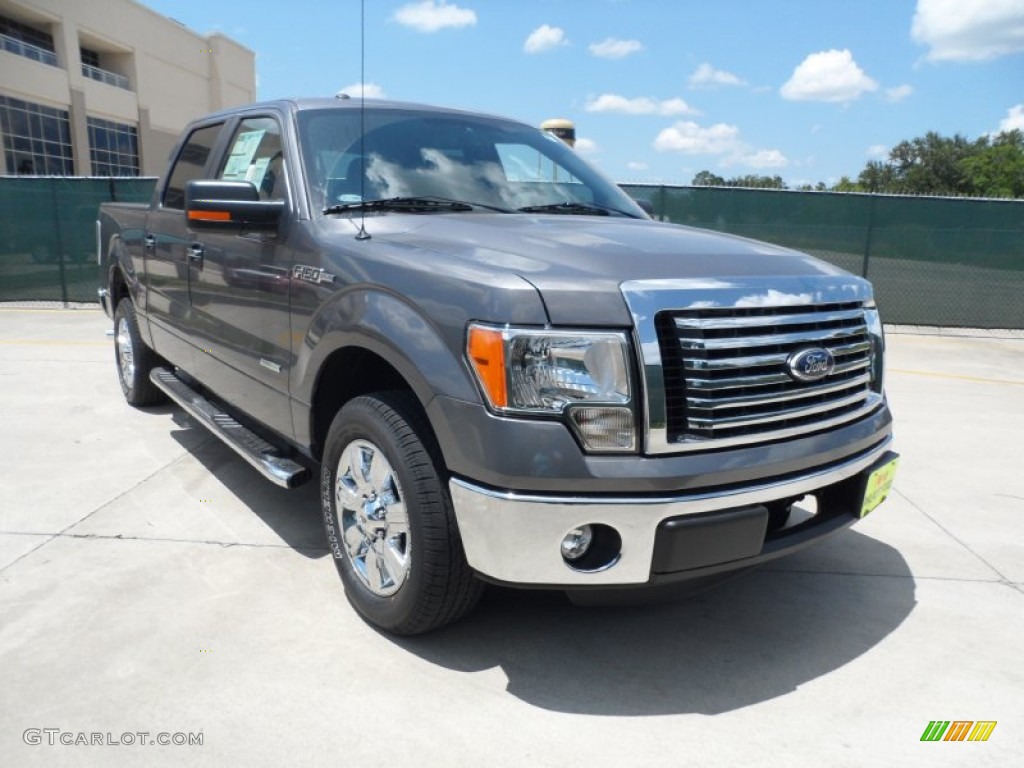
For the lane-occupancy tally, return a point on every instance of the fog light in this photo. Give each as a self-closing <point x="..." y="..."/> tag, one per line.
<point x="605" y="429"/>
<point x="577" y="542"/>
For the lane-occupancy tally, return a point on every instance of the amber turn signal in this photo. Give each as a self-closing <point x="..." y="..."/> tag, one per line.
<point x="209" y="216"/>
<point x="486" y="350"/>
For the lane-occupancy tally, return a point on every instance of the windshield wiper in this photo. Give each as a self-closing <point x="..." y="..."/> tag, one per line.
<point x="411" y="205"/>
<point x="574" y="208"/>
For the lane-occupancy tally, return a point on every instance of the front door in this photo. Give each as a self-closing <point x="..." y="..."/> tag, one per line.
<point x="239" y="284"/>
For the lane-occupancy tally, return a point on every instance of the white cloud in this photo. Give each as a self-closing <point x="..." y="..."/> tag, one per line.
<point x="433" y="15"/>
<point x="641" y="105"/>
<point x="613" y="48"/>
<point x="899" y="93"/>
<point x="587" y="146"/>
<point x="1014" y="119"/>
<point x="693" y="139"/>
<point x="878" y="152"/>
<point x="719" y="139"/>
<point x="831" y="76"/>
<point x="762" y="158"/>
<point x="373" y="91"/>
<point x="958" y="30"/>
<point x="635" y="166"/>
<point x="545" y="38"/>
<point x="707" y="76"/>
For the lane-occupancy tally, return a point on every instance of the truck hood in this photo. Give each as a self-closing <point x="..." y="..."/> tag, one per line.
<point x="578" y="262"/>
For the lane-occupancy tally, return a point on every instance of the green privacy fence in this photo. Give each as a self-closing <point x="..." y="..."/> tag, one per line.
<point x="933" y="261"/>
<point x="48" y="234"/>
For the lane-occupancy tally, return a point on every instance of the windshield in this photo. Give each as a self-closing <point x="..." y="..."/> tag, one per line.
<point x="478" y="160"/>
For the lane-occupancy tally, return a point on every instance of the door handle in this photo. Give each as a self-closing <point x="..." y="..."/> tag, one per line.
<point x="195" y="254"/>
<point x="149" y="241"/>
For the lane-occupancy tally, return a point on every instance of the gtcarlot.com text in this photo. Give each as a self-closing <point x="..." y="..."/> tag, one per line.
<point x="57" y="736"/>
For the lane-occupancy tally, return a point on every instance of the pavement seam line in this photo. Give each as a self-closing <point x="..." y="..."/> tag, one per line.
<point x="954" y="376"/>
<point x="911" y="576"/>
<point x="1003" y="579"/>
<point x="105" y="504"/>
<point x="122" y="537"/>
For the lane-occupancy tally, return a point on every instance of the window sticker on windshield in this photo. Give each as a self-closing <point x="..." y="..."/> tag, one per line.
<point x="237" y="167"/>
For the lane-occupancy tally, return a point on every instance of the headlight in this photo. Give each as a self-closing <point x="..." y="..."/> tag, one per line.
<point x="877" y="337"/>
<point x="583" y="375"/>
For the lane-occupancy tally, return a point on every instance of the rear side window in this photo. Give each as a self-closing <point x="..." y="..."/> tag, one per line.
<point x="190" y="164"/>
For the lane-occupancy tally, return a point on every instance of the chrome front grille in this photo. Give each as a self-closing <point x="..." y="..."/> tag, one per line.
<point x="727" y="372"/>
<point x="719" y="358"/>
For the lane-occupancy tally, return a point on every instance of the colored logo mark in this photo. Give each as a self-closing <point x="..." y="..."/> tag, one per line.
<point x="958" y="730"/>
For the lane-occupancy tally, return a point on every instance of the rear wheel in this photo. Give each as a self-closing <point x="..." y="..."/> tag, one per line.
<point x="133" y="358"/>
<point x="389" y="518"/>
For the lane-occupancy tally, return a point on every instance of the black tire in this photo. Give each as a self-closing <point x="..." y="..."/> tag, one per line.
<point x="427" y="582"/>
<point x="134" y="360"/>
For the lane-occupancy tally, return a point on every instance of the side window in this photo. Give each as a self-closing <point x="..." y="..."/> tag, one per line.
<point x="525" y="163"/>
<point x="255" y="155"/>
<point x="190" y="164"/>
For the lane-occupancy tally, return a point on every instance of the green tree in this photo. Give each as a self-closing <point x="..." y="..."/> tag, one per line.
<point x="707" y="179"/>
<point x="757" y="182"/>
<point x="877" y="177"/>
<point x="931" y="165"/>
<point x="996" y="169"/>
<point x="846" y="184"/>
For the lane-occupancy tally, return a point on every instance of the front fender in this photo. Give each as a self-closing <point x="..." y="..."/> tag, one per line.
<point x="391" y="327"/>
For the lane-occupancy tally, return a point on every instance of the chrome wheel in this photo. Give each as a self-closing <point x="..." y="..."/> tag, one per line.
<point x="374" y="521"/>
<point x="125" y="353"/>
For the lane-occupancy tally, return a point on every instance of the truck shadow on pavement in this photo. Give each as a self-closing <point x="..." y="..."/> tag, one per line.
<point x="754" y="638"/>
<point x="293" y="515"/>
<point x="751" y="639"/>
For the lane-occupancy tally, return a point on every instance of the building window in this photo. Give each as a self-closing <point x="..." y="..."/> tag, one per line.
<point x="113" y="148"/>
<point x="37" y="139"/>
<point x="23" y="40"/>
<point x="92" y="69"/>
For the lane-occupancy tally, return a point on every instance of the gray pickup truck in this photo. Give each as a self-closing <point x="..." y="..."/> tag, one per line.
<point x="502" y="368"/>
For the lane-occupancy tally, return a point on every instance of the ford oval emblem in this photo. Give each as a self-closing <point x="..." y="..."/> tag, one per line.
<point x="811" y="364"/>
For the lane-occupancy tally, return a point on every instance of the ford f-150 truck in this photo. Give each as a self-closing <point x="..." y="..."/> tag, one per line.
<point x="501" y="367"/>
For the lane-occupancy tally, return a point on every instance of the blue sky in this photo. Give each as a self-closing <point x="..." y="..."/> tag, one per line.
<point x="662" y="89"/>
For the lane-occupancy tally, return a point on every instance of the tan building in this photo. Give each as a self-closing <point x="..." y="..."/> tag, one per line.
<point x="104" y="87"/>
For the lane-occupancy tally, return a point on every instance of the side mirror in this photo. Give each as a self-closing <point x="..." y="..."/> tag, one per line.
<point x="230" y="205"/>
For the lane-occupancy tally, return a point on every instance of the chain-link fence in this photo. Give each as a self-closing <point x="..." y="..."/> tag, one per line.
<point x="48" y="234"/>
<point x="933" y="261"/>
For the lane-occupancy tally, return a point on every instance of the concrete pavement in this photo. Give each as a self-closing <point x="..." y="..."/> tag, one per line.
<point x="151" y="581"/>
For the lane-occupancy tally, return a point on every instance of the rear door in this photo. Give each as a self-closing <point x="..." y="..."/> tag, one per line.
<point x="166" y="243"/>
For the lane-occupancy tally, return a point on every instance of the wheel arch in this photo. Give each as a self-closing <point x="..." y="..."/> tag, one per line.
<point x="372" y="340"/>
<point x="347" y="373"/>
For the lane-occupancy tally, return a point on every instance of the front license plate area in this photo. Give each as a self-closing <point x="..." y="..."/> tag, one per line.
<point x="878" y="484"/>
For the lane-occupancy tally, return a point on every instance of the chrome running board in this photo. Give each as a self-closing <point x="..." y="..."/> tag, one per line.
<point x="264" y="456"/>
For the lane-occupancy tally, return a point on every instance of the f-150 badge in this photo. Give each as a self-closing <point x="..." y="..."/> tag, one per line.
<point x="314" y="275"/>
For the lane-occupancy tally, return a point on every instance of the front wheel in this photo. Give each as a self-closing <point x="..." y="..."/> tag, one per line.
<point x="389" y="519"/>
<point x="133" y="358"/>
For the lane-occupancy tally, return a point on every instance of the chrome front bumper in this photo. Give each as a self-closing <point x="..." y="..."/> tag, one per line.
<point x="516" y="538"/>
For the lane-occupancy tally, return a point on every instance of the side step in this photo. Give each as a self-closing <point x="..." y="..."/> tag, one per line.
<point x="278" y="469"/>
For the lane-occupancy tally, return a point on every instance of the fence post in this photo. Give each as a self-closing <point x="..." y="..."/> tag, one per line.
<point x="60" y="243"/>
<point x="867" y="236"/>
<point x="661" y="200"/>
